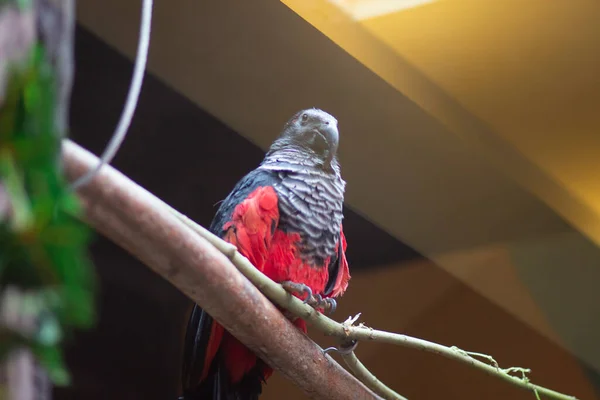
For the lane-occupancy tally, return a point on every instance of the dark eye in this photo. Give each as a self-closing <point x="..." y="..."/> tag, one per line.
<point x="304" y="117"/>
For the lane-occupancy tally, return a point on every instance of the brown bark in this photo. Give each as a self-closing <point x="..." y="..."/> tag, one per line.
<point x="136" y="220"/>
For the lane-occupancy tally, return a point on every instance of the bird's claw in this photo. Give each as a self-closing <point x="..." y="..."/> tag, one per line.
<point x="315" y="301"/>
<point x="344" y="349"/>
<point x="297" y="288"/>
<point x="328" y="305"/>
<point x="310" y="299"/>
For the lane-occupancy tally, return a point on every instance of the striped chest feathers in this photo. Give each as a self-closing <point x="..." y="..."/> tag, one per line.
<point x="311" y="204"/>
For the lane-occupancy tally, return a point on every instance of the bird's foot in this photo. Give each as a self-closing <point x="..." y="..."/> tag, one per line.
<point x="315" y="301"/>
<point x="344" y="349"/>
<point x="327" y="304"/>
<point x="298" y="288"/>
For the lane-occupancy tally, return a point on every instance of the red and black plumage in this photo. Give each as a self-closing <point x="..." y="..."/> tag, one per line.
<point x="286" y="218"/>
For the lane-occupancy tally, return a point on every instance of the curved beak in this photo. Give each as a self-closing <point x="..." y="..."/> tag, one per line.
<point x="330" y="133"/>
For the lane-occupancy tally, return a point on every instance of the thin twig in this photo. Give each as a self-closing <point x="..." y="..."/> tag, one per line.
<point x="367" y="377"/>
<point x="363" y="333"/>
<point x="132" y="98"/>
<point x="345" y="332"/>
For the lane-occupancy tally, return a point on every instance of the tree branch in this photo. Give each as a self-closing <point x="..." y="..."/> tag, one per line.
<point x="365" y="376"/>
<point x="139" y="222"/>
<point x="363" y="333"/>
<point x="348" y="332"/>
<point x="121" y="209"/>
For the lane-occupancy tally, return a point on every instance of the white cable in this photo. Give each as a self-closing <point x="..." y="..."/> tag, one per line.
<point x="132" y="97"/>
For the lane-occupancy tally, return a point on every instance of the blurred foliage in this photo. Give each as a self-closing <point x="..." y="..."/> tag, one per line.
<point x="46" y="276"/>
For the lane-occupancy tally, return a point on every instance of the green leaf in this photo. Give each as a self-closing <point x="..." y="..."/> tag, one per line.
<point x="50" y="331"/>
<point x="51" y="359"/>
<point x="43" y="249"/>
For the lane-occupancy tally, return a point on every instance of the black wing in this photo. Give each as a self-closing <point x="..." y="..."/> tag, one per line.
<point x="200" y="323"/>
<point x="334" y="270"/>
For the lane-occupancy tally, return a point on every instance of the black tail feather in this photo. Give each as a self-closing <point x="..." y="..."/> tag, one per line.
<point x="216" y="385"/>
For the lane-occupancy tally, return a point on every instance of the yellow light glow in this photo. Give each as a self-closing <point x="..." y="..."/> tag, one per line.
<point x="364" y="9"/>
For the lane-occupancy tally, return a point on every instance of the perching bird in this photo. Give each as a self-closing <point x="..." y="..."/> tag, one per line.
<point x="286" y="218"/>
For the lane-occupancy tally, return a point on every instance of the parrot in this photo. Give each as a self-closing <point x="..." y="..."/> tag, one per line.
<point x="285" y="216"/>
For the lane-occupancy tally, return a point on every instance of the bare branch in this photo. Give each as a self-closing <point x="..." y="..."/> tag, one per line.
<point x="362" y="333"/>
<point x="362" y="373"/>
<point x="119" y="209"/>
<point x="138" y="221"/>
